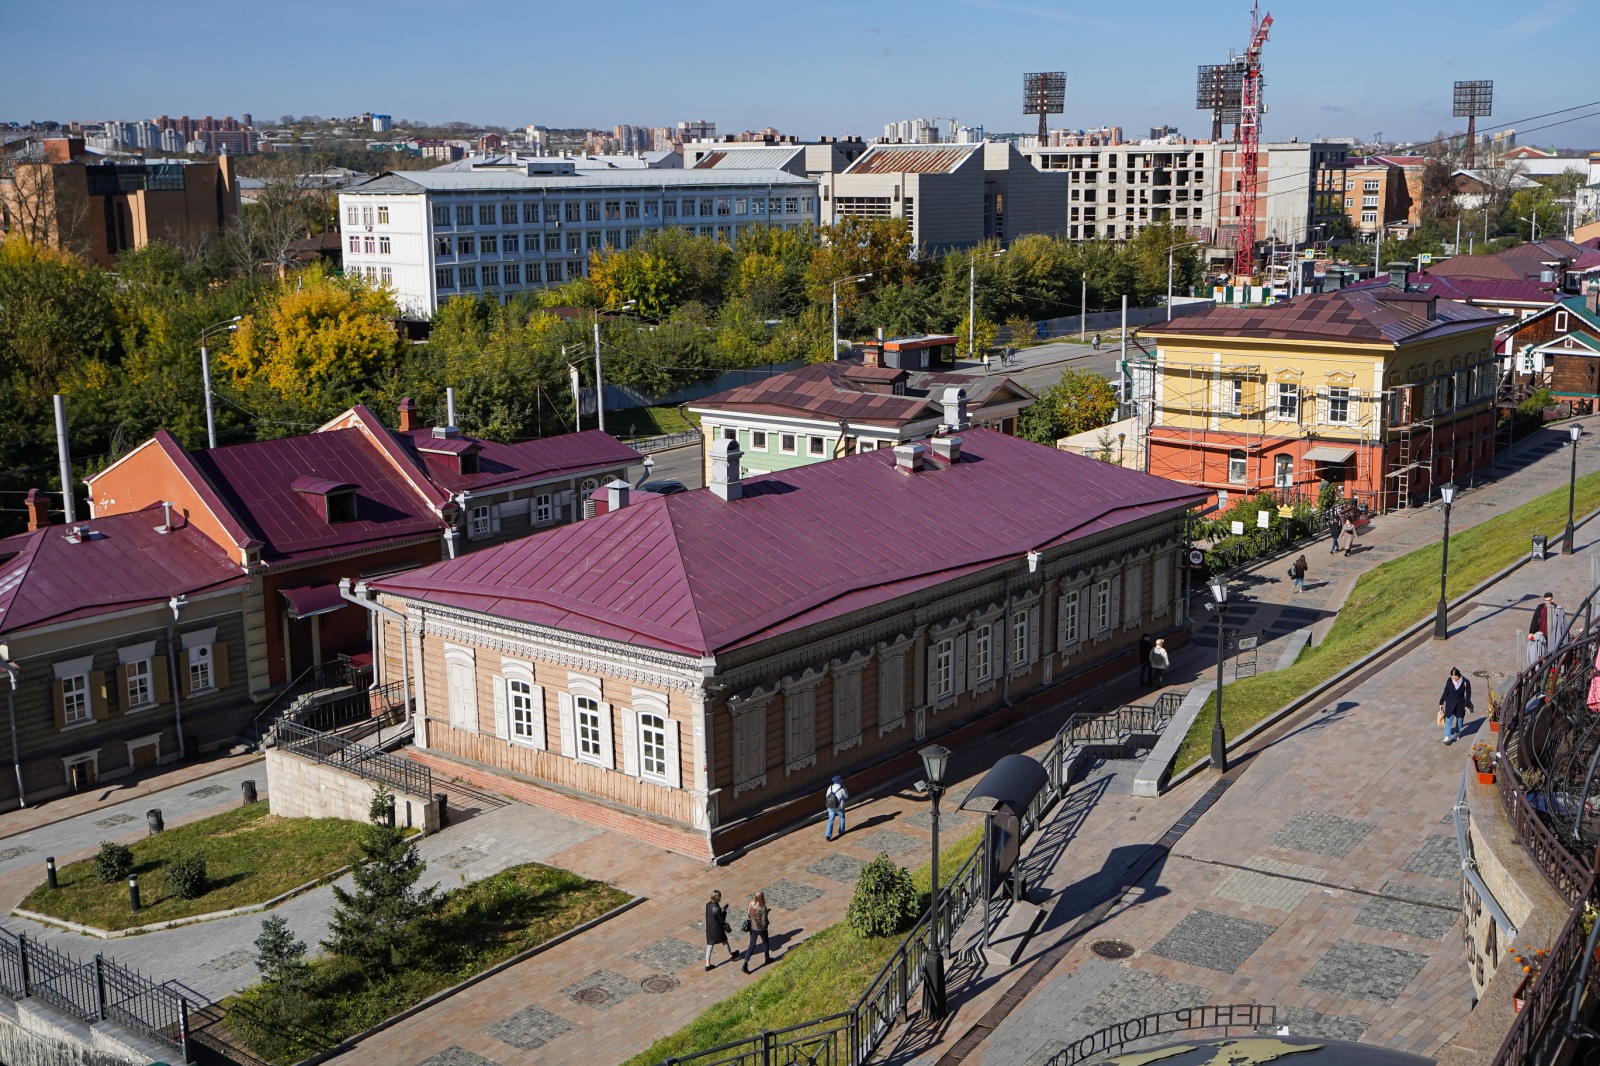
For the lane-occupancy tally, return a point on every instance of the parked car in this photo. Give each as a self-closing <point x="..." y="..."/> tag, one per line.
<point x="664" y="488"/>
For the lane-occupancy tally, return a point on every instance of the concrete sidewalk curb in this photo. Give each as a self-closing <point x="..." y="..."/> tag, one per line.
<point x="1377" y="659"/>
<point x="1147" y="782"/>
<point x="132" y="795"/>
<point x="209" y="916"/>
<point x="444" y="994"/>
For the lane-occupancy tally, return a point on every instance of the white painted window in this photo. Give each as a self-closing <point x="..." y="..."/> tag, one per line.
<point x="1339" y="406"/>
<point x="75" y="699"/>
<point x="524" y="726"/>
<point x="1236" y="466"/>
<point x="200" y="676"/>
<point x="1283" y="471"/>
<point x="1019" y="638"/>
<point x="138" y="677"/>
<point x="1288" y="401"/>
<point x="943" y="674"/>
<point x="786" y="443"/>
<point x="758" y="440"/>
<point x="982" y="653"/>
<point x="542" y="510"/>
<point x="1238" y="394"/>
<point x="652" y="745"/>
<point x="461" y="687"/>
<point x="816" y="446"/>
<point x="1067" y="614"/>
<point x="480" y="521"/>
<point x="1102" y="605"/>
<point x="589" y="732"/>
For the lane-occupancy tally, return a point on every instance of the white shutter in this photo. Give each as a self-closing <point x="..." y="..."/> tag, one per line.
<point x="1272" y="399"/>
<point x="502" y="728"/>
<point x="538" y="738"/>
<point x="608" y="757"/>
<point x="1033" y="634"/>
<point x="959" y="667"/>
<point x="674" y="760"/>
<point x="630" y="742"/>
<point x="1116" y="604"/>
<point x="1322" y="406"/>
<point x="569" y="731"/>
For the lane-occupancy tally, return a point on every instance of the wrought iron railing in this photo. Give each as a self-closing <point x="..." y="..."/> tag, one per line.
<point x="1227" y="1017"/>
<point x="96" y="990"/>
<point x="383" y="702"/>
<point x="336" y="674"/>
<point x="396" y="771"/>
<point x="661" y="442"/>
<point x="851" y="1038"/>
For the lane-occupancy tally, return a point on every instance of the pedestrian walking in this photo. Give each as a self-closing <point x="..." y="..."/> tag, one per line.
<point x="1349" y="531"/>
<point x="1146" y="644"/>
<point x="717" y="927"/>
<point x="1551" y="620"/>
<point x="1337" y="525"/>
<point x="1454" y="704"/>
<point x="755" y="923"/>
<point x="1297" y="570"/>
<point x="1159" y="661"/>
<point x="1097" y="342"/>
<point x="835" y="800"/>
<point x="985" y="362"/>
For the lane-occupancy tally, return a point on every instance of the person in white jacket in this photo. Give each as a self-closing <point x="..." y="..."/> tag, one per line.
<point x="835" y="799"/>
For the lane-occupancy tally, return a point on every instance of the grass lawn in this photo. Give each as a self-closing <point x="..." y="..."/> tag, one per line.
<point x="650" y="422"/>
<point x="824" y="975"/>
<point x="479" y="925"/>
<point x="251" y="856"/>
<point x="1384" y="602"/>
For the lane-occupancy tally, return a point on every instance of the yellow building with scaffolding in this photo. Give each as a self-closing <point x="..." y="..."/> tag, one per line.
<point x="1382" y="391"/>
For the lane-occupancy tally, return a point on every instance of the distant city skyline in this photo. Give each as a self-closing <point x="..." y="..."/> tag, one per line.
<point x="844" y="68"/>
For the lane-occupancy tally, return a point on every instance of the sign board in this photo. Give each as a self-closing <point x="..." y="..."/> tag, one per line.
<point x="1263" y="520"/>
<point x="1246" y="643"/>
<point x="1197" y="558"/>
<point x="1426" y="258"/>
<point x="1238" y="529"/>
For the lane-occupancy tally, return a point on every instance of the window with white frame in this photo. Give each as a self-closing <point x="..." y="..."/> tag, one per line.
<point x="587" y="712"/>
<point x="1339" y="405"/>
<point x="519" y="697"/>
<point x="1019" y="638"/>
<point x="1237" y="390"/>
<point x="201" y="678"/>
<point x="530" y="212"/>
<point x="384" y="247"/>
<point x="463" y="214"/>
<point x="1369" y="186"/>
<point x="386" y="275"/>
<point x="75" y="699"/>
<point x="758" y="440"/>
<point x="786" y="443"/>
<point x="441" y="215"/>
<point x="652" y="745"/>
<point x="816" y="446"/>
<point x="1236" y="466"/>
<point x="1102" y="606"/>
<point x="138" y="680"/>
<point x="480" y="521"/>
<point x="943" y="673"/>
<point x="486" y="214"/>
<point x="982" y="653"/>
<point x="1068" y="614"/>
<point x="508" y="214"/>
<point x="1288" y="401"/>
<point x="461" y="687"/>
<point x="1283" y="471"/>
<point x="352" y="215"/>
<point x="542" y="510"/>
<point x="444" y="277"/>
<point x="366" y="216"/>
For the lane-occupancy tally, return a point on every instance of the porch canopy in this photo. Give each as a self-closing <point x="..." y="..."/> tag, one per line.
<point x="1327" y="453"/>
<point x="308" y="601"/>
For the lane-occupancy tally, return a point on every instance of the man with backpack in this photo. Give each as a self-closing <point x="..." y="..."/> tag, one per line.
<point x="835" y="799"/>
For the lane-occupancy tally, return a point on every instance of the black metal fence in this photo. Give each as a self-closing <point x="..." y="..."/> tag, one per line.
<point x="383" y="703"/>
<point x="1227" y="1017"/>
<point x="96" y="990"/>
<point x="396" y="771"/>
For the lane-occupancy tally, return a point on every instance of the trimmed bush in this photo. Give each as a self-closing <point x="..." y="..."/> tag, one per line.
<point x="186" y="876"/>
<point x="885" y="900"/>
<point x="114" y="862"/>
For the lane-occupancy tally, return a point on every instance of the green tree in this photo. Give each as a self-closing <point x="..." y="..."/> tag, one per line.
<point x="1079" y="401"/>
<point x="55" y="311"/>
<point x="885" y="899"/>
<point x="280" y="956"/>
<point x="377" y="924"/>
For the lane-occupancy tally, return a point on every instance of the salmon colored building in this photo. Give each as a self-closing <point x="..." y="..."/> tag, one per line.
<point x="1385" y="392"/>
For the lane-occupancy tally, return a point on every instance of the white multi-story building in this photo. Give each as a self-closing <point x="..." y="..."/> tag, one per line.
<point x="492" y="231"/>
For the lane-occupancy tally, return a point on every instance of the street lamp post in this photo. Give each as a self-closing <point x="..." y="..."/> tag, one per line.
<point x="1170" y="249"/>
<point x="599" y="384"/>
<point x="1441" y="617"/>
<point x="972" y="304"/>
<point x="229" y="326"/>
<point x="935" y="757"/>
<point x="1575" y="431"/>
<point x="836" y="283"/>
<point x="1219" y="741"/>
<point x="1534" y="222"/>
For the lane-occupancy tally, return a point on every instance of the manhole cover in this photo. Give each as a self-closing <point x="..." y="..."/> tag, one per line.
<point x="1492" y="675"/>
<point x="592" y="995"/>
<point x="658" y="984"/>
<point x="1111" y="949"/>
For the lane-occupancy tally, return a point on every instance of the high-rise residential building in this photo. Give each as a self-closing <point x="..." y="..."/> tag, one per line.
<point x="513" y="224"/>
<point x="634" y="139"/>
<point x="1158" y="133"/>
<point x="382" y="123"/>
<point x="913" y="131"/>
<point x="698" y="130"/>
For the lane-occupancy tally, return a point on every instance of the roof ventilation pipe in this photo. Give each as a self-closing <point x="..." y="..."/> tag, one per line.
<point x="955" y="408"/>
<point x="908" y="457"/>
<point x="726" y="479"/>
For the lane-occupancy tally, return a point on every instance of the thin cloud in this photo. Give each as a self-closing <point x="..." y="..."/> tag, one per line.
<point x="1542" y="18"/>
<point x="1043" y="13"/>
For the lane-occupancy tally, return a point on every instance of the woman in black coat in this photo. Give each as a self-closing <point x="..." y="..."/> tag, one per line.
<point x="717" y="927"/>
<point x="1454" y="705"/>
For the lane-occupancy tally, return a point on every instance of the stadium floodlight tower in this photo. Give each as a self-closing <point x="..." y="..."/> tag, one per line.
<point x="1044" y="95"/>
<point x="1473" y="100"/>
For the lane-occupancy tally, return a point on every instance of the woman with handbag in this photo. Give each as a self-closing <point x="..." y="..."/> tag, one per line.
<point x="756" y="917"/>
<point x="1454" y="704"/>
<point x="717" y="927"/>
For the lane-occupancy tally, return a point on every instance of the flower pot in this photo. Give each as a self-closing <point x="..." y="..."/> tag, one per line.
<point x="1494" y="726"/>
<point x="1485" y="778"/>
<point x="1519" y="997"/>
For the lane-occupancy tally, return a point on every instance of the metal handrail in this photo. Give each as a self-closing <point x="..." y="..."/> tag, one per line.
<point x="94" y="990"/>
<point x="397" y="771"/>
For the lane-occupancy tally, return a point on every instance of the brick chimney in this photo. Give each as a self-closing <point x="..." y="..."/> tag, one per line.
<point x="408" y="416"/>
<point x="38" y="510"/>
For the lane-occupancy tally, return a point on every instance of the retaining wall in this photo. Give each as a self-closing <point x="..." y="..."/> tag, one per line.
<point x="35" y="1034"/>
<point x="298" y="787"/>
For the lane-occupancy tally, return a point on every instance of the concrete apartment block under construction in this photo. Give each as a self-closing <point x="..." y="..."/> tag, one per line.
<point x="952" y="195"/>
<point x="1114" y="191"/>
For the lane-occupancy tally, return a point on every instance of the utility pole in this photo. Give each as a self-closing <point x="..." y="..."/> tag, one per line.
<point x="599" y="396"/>
<point x="1083" y="311"/>
<point x="972" y="294"/>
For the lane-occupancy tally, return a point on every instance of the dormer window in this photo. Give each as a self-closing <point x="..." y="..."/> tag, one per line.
<point x="469" y="462"/>
<point x="341" y="506"/>
<point x="336" y="500"/>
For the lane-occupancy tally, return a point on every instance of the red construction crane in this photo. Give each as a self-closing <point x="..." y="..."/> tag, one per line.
<point x="1249" y="142"/>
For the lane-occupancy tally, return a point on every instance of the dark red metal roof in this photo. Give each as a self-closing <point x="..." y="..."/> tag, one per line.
<point x="567" y="455"/>
<point x="318" y="597"/>
<point x="122" y="563"/>
<point x="1358" y="314"/>
<point x="257" y="483"/>
<point x="695" y="574"/>
<point x="1471" y="289"/>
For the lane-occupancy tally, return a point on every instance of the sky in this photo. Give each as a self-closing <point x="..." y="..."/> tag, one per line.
<point x="812" y="67"/>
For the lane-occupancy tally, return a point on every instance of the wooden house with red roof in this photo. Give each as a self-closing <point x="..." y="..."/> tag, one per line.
<point x="351" y="500"/>
<point x="694" y="668"/>
<point x="122" y="642"/>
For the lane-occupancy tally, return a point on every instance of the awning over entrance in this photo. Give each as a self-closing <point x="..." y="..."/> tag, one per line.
<point x="1011" y="783"/>
<point x="1326" y="453"/>
<point x="307" y="601"/>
